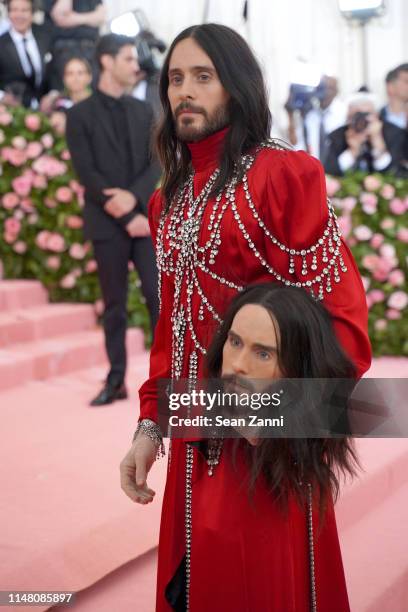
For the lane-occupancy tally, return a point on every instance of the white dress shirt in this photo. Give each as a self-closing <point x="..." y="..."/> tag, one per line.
<point x="334" y="116"/>
<point x="32" y="49"/>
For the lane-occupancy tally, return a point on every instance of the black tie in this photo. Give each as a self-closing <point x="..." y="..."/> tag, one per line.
<point x="32" y="75"/>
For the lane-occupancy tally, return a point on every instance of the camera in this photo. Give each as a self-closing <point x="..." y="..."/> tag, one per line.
<point x="359" y="122"/>
<point x="301" y="97"/>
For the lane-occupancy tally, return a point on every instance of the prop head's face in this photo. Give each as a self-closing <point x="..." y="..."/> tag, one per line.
<point x="197" y="98"/>
<point x="251" y="349"/>
<point x="20" y="14"/>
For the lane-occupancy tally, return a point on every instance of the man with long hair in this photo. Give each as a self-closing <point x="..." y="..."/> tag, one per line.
<point x="234" y="208"/>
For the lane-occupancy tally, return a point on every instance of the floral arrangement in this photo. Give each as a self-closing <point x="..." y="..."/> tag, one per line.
<point x="373" y="216"/>
<point x="41" y="215"/>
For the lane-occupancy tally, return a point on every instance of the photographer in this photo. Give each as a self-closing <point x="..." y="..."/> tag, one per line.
<point x="365" y="143"/>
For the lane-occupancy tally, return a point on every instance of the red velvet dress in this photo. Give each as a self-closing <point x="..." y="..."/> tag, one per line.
<point x="249" y="557"/>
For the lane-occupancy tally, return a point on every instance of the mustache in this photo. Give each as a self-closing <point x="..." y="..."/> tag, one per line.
<point x="190" y="107"/>
<point x="237" y="383"/>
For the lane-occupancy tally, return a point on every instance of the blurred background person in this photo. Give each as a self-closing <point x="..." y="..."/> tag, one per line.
<point x="4" y="22"/>
<point x="314" y="115"/>
<point x="77" y="87"/>
<point x="396" y="109"/>
<point x="75" y="26"/>
<point x="24" y="55"/>
<point x="365" y="142"/>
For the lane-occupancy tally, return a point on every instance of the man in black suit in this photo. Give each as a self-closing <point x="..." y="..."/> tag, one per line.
<point x="366" y="143"/>
<point x="109" y="139"/>
<point x="24" y="50"/>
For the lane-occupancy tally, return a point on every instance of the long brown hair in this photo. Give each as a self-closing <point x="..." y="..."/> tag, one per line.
<point x="308" y="348"/>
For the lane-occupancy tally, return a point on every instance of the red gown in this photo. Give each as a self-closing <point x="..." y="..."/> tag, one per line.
<point x="246" y="558"/>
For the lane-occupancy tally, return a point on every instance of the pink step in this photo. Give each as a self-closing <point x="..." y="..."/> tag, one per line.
<point x="41" y="360"/>
<point x="15" y="294"/>
<point x="47" y="321"/>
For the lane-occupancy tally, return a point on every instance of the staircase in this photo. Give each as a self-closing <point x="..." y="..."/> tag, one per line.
<point x="39" y="340"/>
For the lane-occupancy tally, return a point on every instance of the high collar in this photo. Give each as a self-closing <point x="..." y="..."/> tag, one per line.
<point x="205" y="153"/>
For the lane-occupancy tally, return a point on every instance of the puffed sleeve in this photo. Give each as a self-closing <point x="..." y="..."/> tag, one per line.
<point x="160" y="357"/>
<point x="294" y="207"/>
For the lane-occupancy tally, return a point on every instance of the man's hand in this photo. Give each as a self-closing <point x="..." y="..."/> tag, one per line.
<point x="135" y="467"/>
<point x="138" y="227"/>
<point x="121" y="202"/>
<point x="47" y="102"/>
<point x="375" y="135"/>
<point x="355" y="140"/>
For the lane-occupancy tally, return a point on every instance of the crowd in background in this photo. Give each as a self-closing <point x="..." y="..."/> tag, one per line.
<point x="51" y="67"/>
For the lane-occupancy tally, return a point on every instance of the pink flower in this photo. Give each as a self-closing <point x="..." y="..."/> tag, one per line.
<point x="74" y="222"/>
<point x="344" y="222"/>
<point x="369" y="301"/>
<point x="380" y="325"/>
<point x="33" y="122"/>
<point x="387" y="223"/>
<point x="392" y="314"/>
<point x="42" y="239"/>
<point x="91" y="266"/>
<point x="50" y="166"/>
<point x="387" y="192"/>
<point x="10" y="238"/>
<point x="47" y="141"/>
<point x="396" y="278"/>
<point x="64" y="194"/>
<point x="65" y="155"/>
<point x="388" y="251"/>
<point x="366" y="282"/>
<point x="377" y="240"/>
<point x="349" y="203"/>
<point x="20" y="247"/>
<point x="12" y="226"/>
<point x="372" y="183"/>
<point x="369" y="198"/>
<point x="370" y="262"/>
<point x="397" y="206"/>
<point x="19" y="214"/>
<point x="15" y="157"/>
<point x="56" y="243"/>
<point x="2" y="136"/>
<point x="27" y="205"/>
<point x="362" y="232"/>
<point x="402" y="234"/>
<point x="32" y="219"/>
<point x="383" y="268"/>
<point x="22" y="186"/>
<point x="99" y="307"/>
<point x="332" y="186"/>
<point x="10" y="200"/>
<point x="39" y="181"/>
<point x="398" y="300"/>
<point x="50" y="203"/>
<point x="68" y="282"/>
<point x="376" y="296"/>
<point x="34" y="150"/>
<point x="77" y="251"/>
<point x="53" y="262"/>
<point x="19" y="142"/>
<point x="5" y="118"/>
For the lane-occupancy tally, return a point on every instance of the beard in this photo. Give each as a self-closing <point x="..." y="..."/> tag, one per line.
<point x="188" y="132"/>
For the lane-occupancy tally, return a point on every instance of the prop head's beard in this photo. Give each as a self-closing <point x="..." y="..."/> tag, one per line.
<point x="188" y="132"/>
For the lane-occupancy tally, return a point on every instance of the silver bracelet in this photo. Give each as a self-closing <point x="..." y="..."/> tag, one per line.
<point x="152" y="431"/>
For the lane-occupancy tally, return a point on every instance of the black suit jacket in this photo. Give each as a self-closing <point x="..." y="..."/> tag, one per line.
<point x="395" y="140"/>
<point x="12" y="75"/>
<point x="97" y="158"/>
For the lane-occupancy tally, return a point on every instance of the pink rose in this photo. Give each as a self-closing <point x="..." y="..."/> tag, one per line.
<point x="5" y="118"/>
<point x="372" y="183"/>
<point x="74" y="222"/>
<point x="42" y="239"/>
<point x="40" y="182"/>
<point x="53" y="262"/>
<point x="377" y="240"/>
<point x="32" y="219"/>
<point x="376" y="296"/>
<point x="387" y="192"/>
<point x="369" y="301"/>
<point x="20" y="247"/>
<point x="383" y="268"/>
<point x="396" y="278"/>
<point x="387" y="223"/>
<point x="398" y="300"/>
<point x="362" y="232"/>
<point x="19" y="142"/>
<point x="349" y="203"/>
<point x="77" y="272"/>
<point x="10" y="200"/>
<point x="91" y="266"/>
<point x="402" y="234"/>
<point x="99" y="307"/>
<point x="56" y="243"/>
<point x="19" y="214"/>
<point x="388" y="251"/>
<point x="370" y="262"/>
<point x="380" y="325"/>
<point x="366" y="282"/>
<point x="15" y="157"/>
<point x="34" y="150"/>
<point x="47" y="141"/>
<point x="64" y="195"/>
<point x="33" y="122"/>
<point x="345" y="225"/>
<point x="27" y="205"/>
<point x="392" y="314"/>
<point x="10" y="238"/>
<point x="332" y="186"/>
<point x="369" y="198"/>
<point x="397" y="206"/>
<point x="65" y="155"/>
<point x="50" y="203"/>
<point x="22" y="186"/>
<point x="12" y="226"/>
<point x="77" y="251"/>
<point x="50" y="166"/>
<point x="68" y="282"/>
